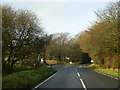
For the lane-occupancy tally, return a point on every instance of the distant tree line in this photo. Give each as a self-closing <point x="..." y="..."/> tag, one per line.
<point x="102" y="40"/>
<point x="63" y="47"/>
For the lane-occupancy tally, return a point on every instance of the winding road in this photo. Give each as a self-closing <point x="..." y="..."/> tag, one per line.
<point x="78" y="77"/>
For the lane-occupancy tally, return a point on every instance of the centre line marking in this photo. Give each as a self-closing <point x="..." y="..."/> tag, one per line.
<point x="83" y="84"/>
<point x="78" y="74"/>
<point x="76" y="70"/>
<point x="81" y="80"/>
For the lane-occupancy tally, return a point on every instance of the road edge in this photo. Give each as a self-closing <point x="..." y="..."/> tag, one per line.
<point x="48" y="78"/>
<point x="43" y="81"/>
<point x="106" y="75"/>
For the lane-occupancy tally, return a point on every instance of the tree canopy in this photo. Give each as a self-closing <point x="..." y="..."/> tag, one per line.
<point x="102" y="39"/>
<point x="23" y="38"/>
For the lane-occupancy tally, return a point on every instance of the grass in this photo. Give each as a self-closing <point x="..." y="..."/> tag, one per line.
<point x="27" y="78"/>
<point x="111" y="72"/>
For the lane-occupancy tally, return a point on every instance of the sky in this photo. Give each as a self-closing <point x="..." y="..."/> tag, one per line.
<point x="60" y="16"/>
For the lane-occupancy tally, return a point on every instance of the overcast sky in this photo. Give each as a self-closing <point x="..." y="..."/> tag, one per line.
<point x="57" y="17"/>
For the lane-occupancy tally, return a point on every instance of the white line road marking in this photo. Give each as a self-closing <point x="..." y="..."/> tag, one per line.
<point x="83" y="84"/>
<point x="44" y="81"/>
<point x="48" y="78"/>
<point x="116" y="78"/>
<point x="106" y="75"/>
<point x="76" y="70"/>
<point x="79" y="66"/>
<point x="81" y="79"/>
<point x="78" y="74"/>
<point x="84" y="66"/>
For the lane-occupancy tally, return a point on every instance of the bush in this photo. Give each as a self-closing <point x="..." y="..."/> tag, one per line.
<point x="114" y="63"/>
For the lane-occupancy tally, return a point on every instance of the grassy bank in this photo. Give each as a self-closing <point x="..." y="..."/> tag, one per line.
<point x="27" y="78"/>
<point x="111" y="72"/>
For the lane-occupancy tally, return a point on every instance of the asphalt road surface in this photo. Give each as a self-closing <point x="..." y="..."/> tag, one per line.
<point x="77" y="77"/>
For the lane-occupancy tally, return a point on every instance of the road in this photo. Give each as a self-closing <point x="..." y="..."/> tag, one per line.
<point x="77" y="77"/>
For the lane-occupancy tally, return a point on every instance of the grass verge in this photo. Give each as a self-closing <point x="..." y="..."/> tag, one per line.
<point x="27" y="78"/>
<point x="111" y="72"/>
